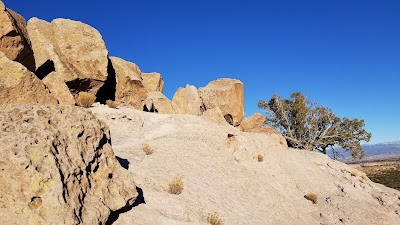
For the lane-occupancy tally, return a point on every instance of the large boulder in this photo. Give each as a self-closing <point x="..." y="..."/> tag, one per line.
<point x="252" y="123"/>
<point x="59" y="89"/>
<point x="228" y="95"/>
<point x="57" y="167"/>
<point x="18" y="85"/>
<point x="188" y="100"/>
<point x="14" y="40"/>
<point x="129" y="86"/>
<point x="74" y="50"/>
<point x="153" y="82"/>
<point x="157" y="102"/>
<point x="214" y="115"/>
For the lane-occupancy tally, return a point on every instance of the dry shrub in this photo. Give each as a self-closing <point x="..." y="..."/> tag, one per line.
<point x="260" y="158"/>
<point x="354" y="173"/>
<point x="112" y="104"/>
<point x="214" y="219"/>
<point x="147" y="149"/>
<point x="85" y="99"/>
<point x="175" y="186"/>
<point x="312" y="197"/>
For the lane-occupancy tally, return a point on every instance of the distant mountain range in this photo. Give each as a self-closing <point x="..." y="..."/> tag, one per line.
<point x="375" y="152"/>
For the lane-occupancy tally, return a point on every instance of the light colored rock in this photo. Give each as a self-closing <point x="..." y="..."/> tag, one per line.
<point x="14" y="40"/>
<point x="153" y="82"/>
<point x="158" y="103"/>
<point x="228" y="95"/>
<point x="214" y="115"/>
<point x="222" y="174"/>
<point x="20" y="86"/>
<point x="188" y="100"/>
<point x="129" y="88"/>
<point x="57" y="167"/>
<point x="73" y="49"/>
<point x="59" y="89"/>
<point x="252" y="123"/>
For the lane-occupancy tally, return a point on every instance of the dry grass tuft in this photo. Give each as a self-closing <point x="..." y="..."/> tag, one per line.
<point x="260" y="158"/>
<point x="214" y="219"/>
<point x="112" y="104"/>
<point x="147" y="149"/>
<point x="312" y="197"/>
<point x="85" y="99"/>
<point x="354" y="173"/>
<point x="175" y="186"/>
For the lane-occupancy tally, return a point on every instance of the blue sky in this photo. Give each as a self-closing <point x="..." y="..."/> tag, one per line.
<point x="344" y="54"/>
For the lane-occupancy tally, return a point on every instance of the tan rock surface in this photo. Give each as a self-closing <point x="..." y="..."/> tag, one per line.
<point x="228" y="95"/>
<point x="129" y="88"/>
<point x="157" y="102"/>
<point x="153" y="82"/>
<point x="73" y="49"/>
<point x="214" y="115"/>
<point x="252" y="123"/>
<point x="20" y="86"/>
<point x="188" y="100"/>
<point x="57" y="167"/>
<point x="14" y="40"/>
<point x="59" y="89"/>
<point x="222" y="174"/>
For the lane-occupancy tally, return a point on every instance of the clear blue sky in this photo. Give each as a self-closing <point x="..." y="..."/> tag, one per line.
<point x="344" y="54"/>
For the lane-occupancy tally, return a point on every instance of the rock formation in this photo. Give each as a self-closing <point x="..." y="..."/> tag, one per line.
<point x="158" y="103"/>
<point x="228" y="95"/>
<point x="75" y="51"/>
<point x="246" y="178"/>
<point x="14" y="40"/>
<point x="57" y="167"/>
<point x="20" y="86"/>
<point x="153" y="82"/>
<point x="129" y="84"/>
<point x="188" y="100"/>
<point x="215" y="115"/>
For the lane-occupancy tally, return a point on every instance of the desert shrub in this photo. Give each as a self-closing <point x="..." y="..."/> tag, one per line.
<point x="312" y="197"/>
<point x="147" y="149"/>
<point x="260" y="158"/>
<point x="85" y="99"/>
<point x="214" y="219"/>
<point x="112" y="104"/>
<point x="175" y="186"/>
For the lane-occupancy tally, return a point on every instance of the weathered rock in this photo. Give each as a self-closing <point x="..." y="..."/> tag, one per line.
<point x="57" y="167"/>
<point x="129" y="88"/>
<point x="158" y="103"/>
<point x="188" y="100"/>
<point x="59" y="89"/>
<point x="74" y="50"/>
<point x="252" y="123"/>
<point x="14" y="40"/>
<point x="20" y="86"/>
<point x="153" y="82"/>
<point x="214" y="115"/>
<point x="228" y="95"/>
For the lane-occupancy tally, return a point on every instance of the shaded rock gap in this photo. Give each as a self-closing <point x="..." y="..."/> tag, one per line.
<point x="108" y="90"/>
<point x="45" y="69"/>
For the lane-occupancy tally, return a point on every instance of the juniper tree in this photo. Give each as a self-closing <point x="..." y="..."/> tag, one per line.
<point x="309" y="126"/>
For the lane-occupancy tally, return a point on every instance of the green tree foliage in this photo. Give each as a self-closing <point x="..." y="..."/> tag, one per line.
<point x="308" y="126"/>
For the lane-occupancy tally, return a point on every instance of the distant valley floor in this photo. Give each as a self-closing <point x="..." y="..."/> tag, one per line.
<point x="386" y="172"/>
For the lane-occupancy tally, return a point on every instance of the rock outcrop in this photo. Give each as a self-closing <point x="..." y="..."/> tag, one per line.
<point x="228" y="95"/>
<point x="20" y="86"/>
<point x="57" y="167"/>
<point x="252" y="123"/>
<point x="158" y="103"/>
<point x="74" y="50"/>
<point x="188" y="100"/>
<point x="214" y="115"/>
<point x="153" y="82"/>
<point x="129" y="84"/>
<point x="14" y="40"/>
<point x="246" y="178"/>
